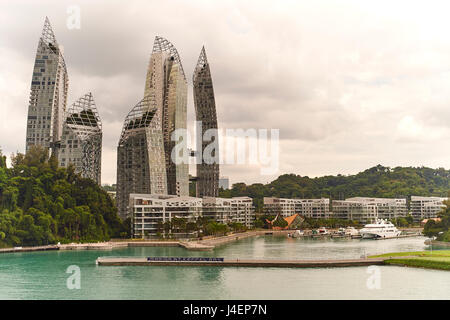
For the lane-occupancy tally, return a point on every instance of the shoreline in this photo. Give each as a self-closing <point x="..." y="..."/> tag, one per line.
<point x="195" y="245"/>
<point x="436" y="260"/>
<point x="207" y="244"/>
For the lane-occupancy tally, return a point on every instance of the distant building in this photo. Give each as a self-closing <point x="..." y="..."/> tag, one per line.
<point x="81" y="139"/>
<point x="292" y="222"/>
<point x="149" y="212"/>
<point x="310" y="208"/>
<point x="365" y="209"/>
<point x="426" y="207"/>
<point x="424" y="221"/>
<point x="48" y="96"/>
<point x="224" y="183"/>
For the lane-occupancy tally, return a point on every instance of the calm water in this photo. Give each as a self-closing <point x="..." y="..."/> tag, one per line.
<point x="42" y="275"/>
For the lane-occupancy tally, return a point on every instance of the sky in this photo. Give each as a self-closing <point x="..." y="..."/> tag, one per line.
<point x="349" y="84"/>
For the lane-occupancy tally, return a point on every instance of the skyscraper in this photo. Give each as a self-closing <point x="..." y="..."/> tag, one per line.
<point x="167" y="81"/>
<point x="140" y="154"/>
<point x="48" y="95"/>
<point x="205" y="111"/>
<point x="81" y="140"/>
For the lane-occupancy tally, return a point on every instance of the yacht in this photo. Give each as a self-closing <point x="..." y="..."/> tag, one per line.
<point x="351" y="231"/>
<point x="297" y="233"/>
<point x="322" y="230"/>
<point x="381" y="229"/>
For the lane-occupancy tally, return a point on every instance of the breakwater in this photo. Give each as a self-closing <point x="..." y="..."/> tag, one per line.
<point x="273" y="263"/>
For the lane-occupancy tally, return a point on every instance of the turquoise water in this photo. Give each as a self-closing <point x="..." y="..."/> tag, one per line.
<point x="42" y="275"/>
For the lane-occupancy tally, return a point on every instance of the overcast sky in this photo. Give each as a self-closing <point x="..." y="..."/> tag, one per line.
<point x="350" y="84"/>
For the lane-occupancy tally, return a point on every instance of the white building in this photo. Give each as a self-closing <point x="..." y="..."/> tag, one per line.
<point x="310" y="208"/>
<point x="365" y="209"/>
<point x="150" y="212"/>
<point x="426" y="207"/>
<point x="229" y="210"/>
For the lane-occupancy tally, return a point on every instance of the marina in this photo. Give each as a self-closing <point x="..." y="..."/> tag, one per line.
<point x="208" y="244"/>
<point x="22" y="274"/>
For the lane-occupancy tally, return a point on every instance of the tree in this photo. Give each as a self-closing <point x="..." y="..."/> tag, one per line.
<point x="42" y="204"/>
<point x="441" y="228"/>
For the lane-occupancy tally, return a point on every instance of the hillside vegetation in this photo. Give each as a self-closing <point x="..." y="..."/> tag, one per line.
<point x="378" y="181"/>
<point x="41" y="203"/>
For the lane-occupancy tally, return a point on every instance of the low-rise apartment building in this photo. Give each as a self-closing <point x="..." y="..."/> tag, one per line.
<point x="364" y="209"/>
<point x="426" y="207"/>
<point x="150" y="212"/>
<point x="310" y="208"/>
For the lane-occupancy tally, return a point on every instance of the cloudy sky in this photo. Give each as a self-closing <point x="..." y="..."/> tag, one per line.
<point x="350" y="84"/>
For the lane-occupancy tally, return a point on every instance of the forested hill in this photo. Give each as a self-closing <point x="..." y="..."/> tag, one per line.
<point x="378" y="181"/>
<point x="41" y="203"/>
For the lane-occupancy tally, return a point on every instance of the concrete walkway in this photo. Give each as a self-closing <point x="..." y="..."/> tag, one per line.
<point x="275" y="263"/>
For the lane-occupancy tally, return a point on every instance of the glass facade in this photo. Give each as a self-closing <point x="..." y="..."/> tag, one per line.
<point x="81" y="140"/>
<point x="140" y="154"/>
<point x="167" y="81"/>
<point x="205" y="111"/>
<point x="48" y="96"/>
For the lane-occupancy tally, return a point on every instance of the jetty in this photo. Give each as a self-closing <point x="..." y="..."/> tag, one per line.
<point x="222" y="262"/>
<point x="29" y="249"/>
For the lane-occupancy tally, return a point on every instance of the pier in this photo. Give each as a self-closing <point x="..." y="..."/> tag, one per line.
<point x="272" y="263"/>
<point x="29" y="249"/>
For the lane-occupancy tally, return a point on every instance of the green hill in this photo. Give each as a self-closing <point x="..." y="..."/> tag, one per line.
<point x="378" y="181"/>
<point x="41" y="203"/>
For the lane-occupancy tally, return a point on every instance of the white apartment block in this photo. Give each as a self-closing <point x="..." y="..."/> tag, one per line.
<point x="310" y="208"/>
<point x="149" y="212"/>
<point x="426" y="207"/>
<point x="229" y="210"/>
<point x="365" y="209"/>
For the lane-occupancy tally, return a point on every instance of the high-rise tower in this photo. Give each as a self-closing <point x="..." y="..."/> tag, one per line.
<point x="81" y="139"/>
<point x="167" y="82"/>
<point x="48" y="95"/>
<point x="205" y="111"/>
<point x="140" y="154"/>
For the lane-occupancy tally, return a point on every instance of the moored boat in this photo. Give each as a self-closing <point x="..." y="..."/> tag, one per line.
<point x="381" y="229"/>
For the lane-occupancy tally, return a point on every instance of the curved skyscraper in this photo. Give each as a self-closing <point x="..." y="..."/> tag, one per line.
<point x="140" y="154"/>
<point x="48" y="95"/>
<point x="81" y="140"/>
<point x="167" y="81"/>
<point x="205" y="111"/>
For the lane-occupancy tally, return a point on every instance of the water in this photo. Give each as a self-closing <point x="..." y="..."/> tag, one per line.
<point x="42" y="275"/>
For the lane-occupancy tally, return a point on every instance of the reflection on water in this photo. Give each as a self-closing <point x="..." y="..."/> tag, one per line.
<point x="41" y="275"/>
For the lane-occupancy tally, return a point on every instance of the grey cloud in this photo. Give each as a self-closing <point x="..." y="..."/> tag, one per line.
<point x="335" y="81"/>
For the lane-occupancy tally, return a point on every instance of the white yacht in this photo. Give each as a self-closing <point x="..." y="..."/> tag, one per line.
<point x="380" y="229"/>
<point x="351" y="231"/>
<point x="297" y="233"/>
